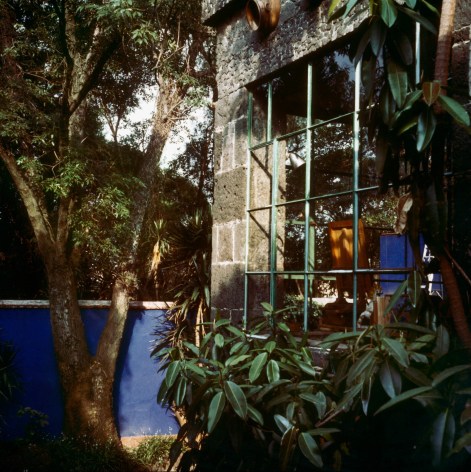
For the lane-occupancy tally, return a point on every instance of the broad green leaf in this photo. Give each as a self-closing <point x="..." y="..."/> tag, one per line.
<point x="411" y="3"/>
<point x="181" y="391"/>
<point x="236" y="398"/>
<point x="388" y="12"/>
<point x="171" y="375"/>
<point x="196" y="369"/>
<point x="235" y="331"/>
<point x="390" y="379"/>
<point x="443" y="434"/>
<point x="349" y="7"/>
<point x="408" y="125"/>
<point x="268" y="388"/>
<point x="222" y="322"/>
<point x="396" y="350"/>
<point x="322" y="431"/>
<point x="288" y="443"/>
<point x="257" y="366"/>
<point x="431" y="91"/>
<point x="273" y="371"/>
<point x="365" y="39"/>
<point x="407" y="395"/>
<point x="206" y="338"/>
<point x="233" y="360"/>
<point x="192" y="348"/>
<point x="445" y="374"/>
<point x="387" y="105"/>
<point x="282" y="423"/>
<point x="361" y="365"/>
<point x="398" y="81"/>
<point x="310" y="449"/>
<point x="216" y="407"/>
<point x="255" y="415"/>
<point x="270" y="346"/>
<point x="455" y="109"/>
<point x="417" y="376"/>
<point x="418" y="357"/>
<point x="305" y="367"/>
<point x="267" y="307"/>
<point x="219" y="340"/>
<point x="339" y="337"/>
<point x="236" y="347"/>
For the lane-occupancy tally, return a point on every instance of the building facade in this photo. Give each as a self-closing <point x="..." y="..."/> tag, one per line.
<point x="295" y="173"/>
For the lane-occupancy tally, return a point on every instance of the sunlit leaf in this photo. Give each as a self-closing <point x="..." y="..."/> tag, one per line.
<point x="270" y="346"/>
<point x="171" y="375"/>
<point x="273" y="371"/>
<point x="216" y="407"/>
<point x="236" y="398"/>
<point x="219" y="340"/>
<point x="310" y="449"/>
<point x="257" y="366"/>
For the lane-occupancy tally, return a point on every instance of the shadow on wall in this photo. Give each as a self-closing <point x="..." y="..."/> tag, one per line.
<point x="136" y="384"/>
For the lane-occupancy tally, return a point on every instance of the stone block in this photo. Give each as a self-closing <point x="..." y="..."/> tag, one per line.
<point x="229" y="196"/>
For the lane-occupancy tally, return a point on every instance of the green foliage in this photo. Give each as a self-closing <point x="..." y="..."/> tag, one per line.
<point x="153" y="452"/>
<point x="251" y="399"/>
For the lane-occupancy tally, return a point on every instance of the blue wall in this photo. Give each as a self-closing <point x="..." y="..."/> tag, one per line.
<point x="137" y="379"/>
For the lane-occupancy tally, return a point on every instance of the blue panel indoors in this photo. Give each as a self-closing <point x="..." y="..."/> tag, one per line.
<point x="137" y="379"/>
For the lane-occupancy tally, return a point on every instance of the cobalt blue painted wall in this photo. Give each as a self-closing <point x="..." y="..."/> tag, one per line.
<point x="137" y="379"/>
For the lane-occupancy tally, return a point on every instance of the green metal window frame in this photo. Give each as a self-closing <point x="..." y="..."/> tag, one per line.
<point x="309" y="272"/>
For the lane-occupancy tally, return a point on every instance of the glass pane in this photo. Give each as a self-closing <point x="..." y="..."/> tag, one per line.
<point x="332" y="158"/>
<point x="294" y="237"/>
<point x="258" y="292"/>
<point x="259" y="240"/>
<point x="292" y="168"/>
<point x="261" y="177"/>
<point x="259" y="114"/>
<point x="290" y="100"/>
<point x="333" y="85"/>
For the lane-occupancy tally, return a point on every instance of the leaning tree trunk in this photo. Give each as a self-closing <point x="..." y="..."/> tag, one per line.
<point x="441" y="74"/>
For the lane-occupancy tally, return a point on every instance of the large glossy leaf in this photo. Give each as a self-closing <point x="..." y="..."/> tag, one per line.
<point x="171" y="375"/>
<point x="273" y="371"/>
<point x="443" y="435"/>
<point x="338" y="337"/>
<point x="425" y="129"/>
<point x="310" y="449"/>
<point x="388" y="12"/>
<point x="236" y="398"/>
<point x="387" y="105"/>
<point x="398" y="81"/>
<point x="234" y="360"/>
<point x="257" y="365"/>
<point x="390" y="379"/>
<point x="180" y="392"/>
<point x="407" y="395"/>
<point x="270" y="346"/>
<point x="196" y="368"/>
<point x="216" y="407"/>
<point x="455" y="109"/>
<point x="219" y="340"/>
<point x="397" y="350"/>
<point x="283" y="423"/>
<point x="349" y="396"/>
<point x="361" y="365"/>
<point x="318" y="399"/>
